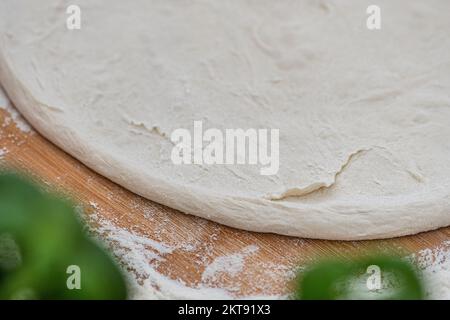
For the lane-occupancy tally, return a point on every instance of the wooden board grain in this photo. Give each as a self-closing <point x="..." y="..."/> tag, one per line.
<point x="265" y="270"/>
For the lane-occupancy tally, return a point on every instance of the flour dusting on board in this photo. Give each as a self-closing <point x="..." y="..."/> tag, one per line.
<point x="231" y="264"/>
<point x="3" y="152"/>
<point x="141" y="256"/>
<point x="435" y="267"/>
<point x="14" y="115"/>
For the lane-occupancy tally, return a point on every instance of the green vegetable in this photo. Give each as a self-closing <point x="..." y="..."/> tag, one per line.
<point x="50" y="239"/>
<point x="375" y="277"/>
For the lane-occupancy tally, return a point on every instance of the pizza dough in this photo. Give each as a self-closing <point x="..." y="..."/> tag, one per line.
<point x="363" y="115"/>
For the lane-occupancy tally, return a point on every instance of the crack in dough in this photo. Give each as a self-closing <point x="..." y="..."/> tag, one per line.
<point x="153" y="129"/>
<point x="304" y="191"/>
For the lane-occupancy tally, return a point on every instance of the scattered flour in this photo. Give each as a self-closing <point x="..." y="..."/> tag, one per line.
<point x="3" y="152"/>
<point x="14" y="115"/>
<point x="141" y="256"/>
<point x="132" y="249"/>
<point x="230" y="264"/>
<point x="93" y="205"/>
<point x="435" y="267"/>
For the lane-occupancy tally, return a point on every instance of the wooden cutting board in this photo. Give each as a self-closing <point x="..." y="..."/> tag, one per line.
<point x="267" y="260"/>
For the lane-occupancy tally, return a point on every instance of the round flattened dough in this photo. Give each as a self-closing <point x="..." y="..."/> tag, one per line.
<point x="363" y="115"/>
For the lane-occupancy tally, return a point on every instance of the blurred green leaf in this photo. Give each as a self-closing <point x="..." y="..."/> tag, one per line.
<point x="49" y="238"/>
<point x="338" y="279"/>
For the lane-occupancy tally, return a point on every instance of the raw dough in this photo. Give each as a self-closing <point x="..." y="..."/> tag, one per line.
<point x="364" y="116"/>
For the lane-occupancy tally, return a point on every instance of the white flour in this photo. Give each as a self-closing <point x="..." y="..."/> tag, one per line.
<point x="3" y="151"/>
<point x="435" y="266"/>
<point x="231" y="264"/>
<point x="143" y="256"/>
<point x="14" y="116"/>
